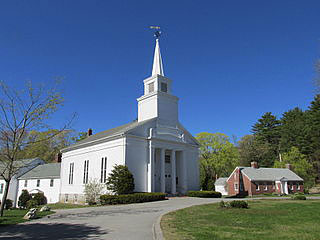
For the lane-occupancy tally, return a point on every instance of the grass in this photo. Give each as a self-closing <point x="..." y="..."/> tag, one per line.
<point x="16" y="216"/>
<point x="264" y="220"/>
<point x="54" y="206"/>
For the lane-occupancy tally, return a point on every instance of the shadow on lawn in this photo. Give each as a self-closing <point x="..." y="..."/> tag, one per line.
<point x="51" y="231"/>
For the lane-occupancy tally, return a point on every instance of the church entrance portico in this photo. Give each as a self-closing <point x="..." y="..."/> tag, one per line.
<point x="169" y="172"/>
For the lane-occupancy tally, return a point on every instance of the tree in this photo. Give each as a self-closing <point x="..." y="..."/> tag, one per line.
<point x="299" y="163"/>
<point x="293" y="131"/>
<point x="81" y="136"/>
<point x="21" y="113"/>
<point x="218" y="157"/>
<point x="251" y="150"/>
<point x="266" y="132"/>
<point x="313" y="132"/>
<point x="92" y="191"/>
<point x="24" y="198"/>
<point x="47" y="144"/>
<point x="120" y="180"/>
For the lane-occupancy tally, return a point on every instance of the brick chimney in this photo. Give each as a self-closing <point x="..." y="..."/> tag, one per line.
<point x="254" y="164"/>
<point x="89" y="132"/>
<point x="58" y="158"/>
<point x="289" y="166"/>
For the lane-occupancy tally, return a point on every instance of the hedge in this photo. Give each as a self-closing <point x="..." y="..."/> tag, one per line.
<point x="298" y="196"/>
<point x="131" y="198"/>
<point x="204" y="194"/>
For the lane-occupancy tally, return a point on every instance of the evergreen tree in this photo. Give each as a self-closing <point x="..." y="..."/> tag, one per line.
<point x="120" y="180"/>
<point x="267" y="135"/>
<point x="293" y="131"/>
<point x="313" y="133"/>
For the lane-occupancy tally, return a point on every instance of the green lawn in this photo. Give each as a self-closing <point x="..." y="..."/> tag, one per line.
<point x="265" y="219"/>
<point x="67" y="205"/>
<point x="16" y="216"/>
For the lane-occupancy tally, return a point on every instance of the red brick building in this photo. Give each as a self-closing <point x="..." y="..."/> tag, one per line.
<point x="254" y="180"/>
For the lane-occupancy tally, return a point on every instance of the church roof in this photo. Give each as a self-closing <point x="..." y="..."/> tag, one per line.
<point x="270" y="174"/>
<point x="49" y="170"/>
<point x="108" y="133"/>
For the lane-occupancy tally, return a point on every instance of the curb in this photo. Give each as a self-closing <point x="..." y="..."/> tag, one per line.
<point x="156" y="229"/>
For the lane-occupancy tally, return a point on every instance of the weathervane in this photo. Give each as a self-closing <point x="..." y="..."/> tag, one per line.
<point x="157" y="33"/>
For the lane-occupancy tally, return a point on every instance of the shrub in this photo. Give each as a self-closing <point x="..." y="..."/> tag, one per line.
<point x="131" y="198"/>
<point x="298" y="196"/>
<point x="39" y="198"/>
<point x="120" y="180"/>
<point x="222" y="204"/>
<point x="204" y="194"/>
<point x="24" y="198"/>
<point x="238" y="204"/>
<point x="8" y="204"/>
<point x="32" y="204"/>
<point x="92" y="191"/>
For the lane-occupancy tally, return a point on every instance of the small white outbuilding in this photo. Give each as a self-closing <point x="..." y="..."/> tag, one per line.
<point x="45" y="179"/>
<point x="23" y="166"/>
<point x="221" y="186"/>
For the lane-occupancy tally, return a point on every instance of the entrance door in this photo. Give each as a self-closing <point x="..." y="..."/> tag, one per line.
<point x="168" y="173"/>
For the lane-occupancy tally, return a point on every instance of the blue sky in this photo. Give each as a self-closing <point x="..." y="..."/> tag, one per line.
<point x="230" y="61"/>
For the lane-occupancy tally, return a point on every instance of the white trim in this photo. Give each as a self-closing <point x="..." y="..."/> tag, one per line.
<point x="232" y="173"/>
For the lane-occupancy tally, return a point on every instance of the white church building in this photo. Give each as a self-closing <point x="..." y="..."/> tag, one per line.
<point x="160" y="153"/>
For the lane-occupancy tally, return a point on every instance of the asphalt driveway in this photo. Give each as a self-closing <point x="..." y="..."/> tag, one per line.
<point x="134" y="221"/>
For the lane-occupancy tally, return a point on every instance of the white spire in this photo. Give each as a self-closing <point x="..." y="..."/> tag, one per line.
<point x="157" y="67"/>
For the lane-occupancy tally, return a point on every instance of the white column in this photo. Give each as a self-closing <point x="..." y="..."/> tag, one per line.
<point x="173" y="172"/>
<point x="151" y="169"/>
<point x="184" y="183"/>
<point x="162" y="170"/>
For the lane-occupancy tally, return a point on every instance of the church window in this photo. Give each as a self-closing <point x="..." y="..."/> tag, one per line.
<point x="103" y="170"/>
<point x="1" y="187"/>
<point x="151" y="87"/>
<point x="25" y="183"/>
<point x="38" y="183"/>
<point x="71" y="168"/>
<point x="51" y="182"/>
<point x="164" y="87"/>
<point x="85" y="171"/>
<point x="167" y="159"/>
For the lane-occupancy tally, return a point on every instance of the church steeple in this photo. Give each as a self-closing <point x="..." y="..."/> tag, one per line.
<point x="157" y="67"/>
<point x="157" y="100"/>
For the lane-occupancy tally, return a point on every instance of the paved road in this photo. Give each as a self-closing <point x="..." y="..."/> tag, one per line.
<point x="125" y="222"/>
<point x="135" y="221"/>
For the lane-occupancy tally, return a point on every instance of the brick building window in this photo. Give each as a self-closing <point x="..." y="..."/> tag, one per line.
<point x="257" y="187"/>
<point x="298" y="186"/>
<point x="291" y="187"/>
<point x="236" y="186"/>
<point x="273" y="186"/>
<point x="265" y="187"/>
